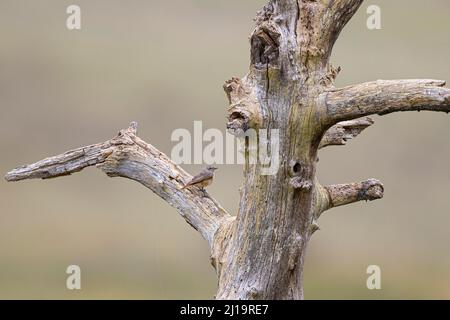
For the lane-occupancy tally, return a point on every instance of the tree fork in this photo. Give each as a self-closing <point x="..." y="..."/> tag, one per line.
<point x="259" y="254"/>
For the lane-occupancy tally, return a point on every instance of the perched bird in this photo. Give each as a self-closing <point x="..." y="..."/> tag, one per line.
<point x="203" y="179"/>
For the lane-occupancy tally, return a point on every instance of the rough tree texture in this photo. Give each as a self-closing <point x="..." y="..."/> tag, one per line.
<point x="259" y="254"/>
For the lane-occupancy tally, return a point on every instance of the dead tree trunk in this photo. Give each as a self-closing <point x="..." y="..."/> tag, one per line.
<point x="260" y="253"/>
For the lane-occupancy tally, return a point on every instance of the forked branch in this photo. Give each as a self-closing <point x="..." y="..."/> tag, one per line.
<point x="128" y="156"/>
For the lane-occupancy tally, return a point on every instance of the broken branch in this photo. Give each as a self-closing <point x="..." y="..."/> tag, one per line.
<point x="343" y="194"/>
<point x="339" y="134"/>
<point x="128" y="156"/>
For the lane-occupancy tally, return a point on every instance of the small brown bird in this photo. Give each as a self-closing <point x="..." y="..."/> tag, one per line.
<point x="203" y="179"/>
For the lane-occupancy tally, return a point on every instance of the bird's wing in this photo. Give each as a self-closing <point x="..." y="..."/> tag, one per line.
<point x="204" y="175"/>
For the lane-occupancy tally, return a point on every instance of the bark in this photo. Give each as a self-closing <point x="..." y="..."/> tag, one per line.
<point x="259" y="254"/>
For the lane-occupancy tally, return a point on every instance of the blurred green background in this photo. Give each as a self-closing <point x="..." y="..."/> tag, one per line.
<point x="163" y="63"/>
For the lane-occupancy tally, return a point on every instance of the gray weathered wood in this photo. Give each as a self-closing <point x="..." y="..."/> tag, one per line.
<point x="126" y="155"/>
<point x="339" y="134"/>
<point x="386" y="96"/>
<point x="343" y="194"/>
<point x="259" y="254"/>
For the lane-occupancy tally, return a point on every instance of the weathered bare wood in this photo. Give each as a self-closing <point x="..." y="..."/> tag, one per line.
<point x="244" y="111"/>
<point x="320" y="23"/>
<point x="338" y="14"/>
<point x="343" y="194"/>
<point x="259" y="254"/>
<point x="386" y="96"/>
<point x="339" y="134"/>
<point x="292" y="80"/>
<point x="126" y="155"/>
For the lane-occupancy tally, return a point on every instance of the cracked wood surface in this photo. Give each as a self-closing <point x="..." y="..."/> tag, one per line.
<point x="259" y="254"/>
<point x="339" y="134"/>
<point x="387" y="96"/>
<point x="343" y="194"/>
<point x="126" y="155"/>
